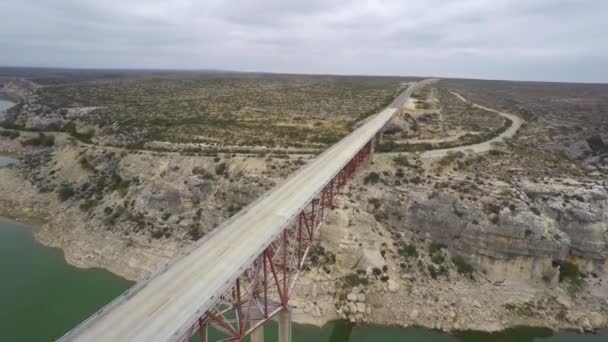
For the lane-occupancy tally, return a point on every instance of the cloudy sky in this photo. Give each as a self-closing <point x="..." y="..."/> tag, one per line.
<point x="555" y="40"/>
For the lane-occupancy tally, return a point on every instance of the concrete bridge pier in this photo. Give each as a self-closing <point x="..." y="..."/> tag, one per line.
<point x="285" y="325"/>
<point x="372" y="150"/>
<point x="258" y="334"/>
<point x="203" y="333"/>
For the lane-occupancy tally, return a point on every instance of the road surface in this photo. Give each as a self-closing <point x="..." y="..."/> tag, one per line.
<point x="166" y="306"/>
<point x="516" y="123"/>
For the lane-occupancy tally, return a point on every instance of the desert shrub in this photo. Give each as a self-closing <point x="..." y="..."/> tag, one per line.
<point x="401" y="160"/>
<point x="372" y="178"/>
<point x="84" y="162"/>
<point x="400" y="173"/>
<point x="41" y="140"/>
<point x="319" y="256"/>
<point x="450" y="158"/>
<point x="435" y="271"/>
<point x="199" y="171"/>
<point x="375" y="202"/>
<point x="570" y="272"/>
<point x="157" y="234"/>
<point x="65" y="192"/>
<point x="354" y="279"/>
<point x="220" y="169"/>
<point x="436" y="247"/>
<point x="88" y="205"/>
<point x="194" y="233"/>
<point x="408" y="250"/>
<point x="462" y="266"/>
<point x="121" y="185"/>
<point x="523" y="310"/>
<point x="85" y="136"/>
<point x="10" y="134"/>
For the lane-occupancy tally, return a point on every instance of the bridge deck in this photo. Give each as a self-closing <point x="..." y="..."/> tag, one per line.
<point x="166" y="306"/>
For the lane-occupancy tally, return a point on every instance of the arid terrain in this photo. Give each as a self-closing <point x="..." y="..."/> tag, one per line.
<point x="486" y="205"/>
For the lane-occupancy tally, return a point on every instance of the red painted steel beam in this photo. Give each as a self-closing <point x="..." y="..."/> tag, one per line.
<point x="265" y="288"/>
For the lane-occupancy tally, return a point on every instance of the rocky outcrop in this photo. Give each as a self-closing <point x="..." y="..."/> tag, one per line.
<point x="541" y="222"/>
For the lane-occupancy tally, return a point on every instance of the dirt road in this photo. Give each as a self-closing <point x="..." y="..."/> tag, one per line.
<point x="516" y="123"/>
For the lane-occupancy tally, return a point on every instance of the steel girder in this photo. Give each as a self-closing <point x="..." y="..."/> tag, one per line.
<point x="264" y="289"/>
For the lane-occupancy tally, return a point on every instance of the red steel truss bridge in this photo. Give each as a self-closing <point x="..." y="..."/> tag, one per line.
<point x="241" y="275"/>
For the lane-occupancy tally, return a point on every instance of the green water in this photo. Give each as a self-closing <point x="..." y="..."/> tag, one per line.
<point x="5" y="104"/>
<point x="42" y="297"/>
<point x="344" y="332"/>
<point x="4" y="161"/>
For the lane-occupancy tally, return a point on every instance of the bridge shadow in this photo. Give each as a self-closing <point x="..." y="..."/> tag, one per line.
<point x="341" y="332"/>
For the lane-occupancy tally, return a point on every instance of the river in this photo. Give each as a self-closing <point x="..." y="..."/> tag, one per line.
<point x="42" y="297"/>
<point x="5" y="104"/>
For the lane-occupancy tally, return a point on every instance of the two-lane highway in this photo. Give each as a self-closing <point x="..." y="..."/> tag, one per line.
<point x="166" y="306"/>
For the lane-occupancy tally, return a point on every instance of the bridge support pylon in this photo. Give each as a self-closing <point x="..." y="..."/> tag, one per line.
<point x="258" y="334"/>
<point x="372" y="150"/>
<point x="285" y="325"/>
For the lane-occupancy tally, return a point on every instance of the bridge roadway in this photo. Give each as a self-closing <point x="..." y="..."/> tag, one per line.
<point x="165" y="306"/>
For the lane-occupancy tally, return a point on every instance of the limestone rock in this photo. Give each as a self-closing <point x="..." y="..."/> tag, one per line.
<point x="393" y="286"/>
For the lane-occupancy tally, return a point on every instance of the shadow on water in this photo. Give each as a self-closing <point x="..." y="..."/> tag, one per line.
<point x="341" y="332"/>
<point x="522" y="334"/>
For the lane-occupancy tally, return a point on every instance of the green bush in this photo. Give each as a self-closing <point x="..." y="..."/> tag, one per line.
<point x="408" y="250"/>
<point x="65" y="192"/>
<point x="401" y="160"/>
<point x="569" y="271"/>
<point x="88" y="205"/>
<point x="199" y="171"/>
<point x="353" y="279"/>
<point x="121" y="185"/>
<point x="438" y="259"/>
<point x="194" y="233"/>
<point x="10" y="134"/>
<point x="450" y="158"/>
<point x="41" y="140"/>
<point x="436" y="247"/>
<point x="220" y="169"/>
<point x="435" y="272"/>
<point x="371" y="178"/>
<point x="462" y="266"/>
<point x="375" y="202"/>
<point x="85" y="137"/>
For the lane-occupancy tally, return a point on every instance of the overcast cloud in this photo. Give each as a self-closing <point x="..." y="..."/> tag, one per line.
<point x="556" y="40"/>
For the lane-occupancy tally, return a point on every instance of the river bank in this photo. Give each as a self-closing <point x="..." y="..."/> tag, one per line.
<point x="455" y="305"/>
<point x="51" y="286"/>
<point x="94" y="238"/>
<point x="65" y="228"/>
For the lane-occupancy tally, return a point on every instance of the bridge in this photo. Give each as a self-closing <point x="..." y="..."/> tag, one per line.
<point x="243" y="273"/>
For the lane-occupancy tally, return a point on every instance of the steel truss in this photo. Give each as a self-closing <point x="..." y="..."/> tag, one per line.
<point x="264" y="289"/>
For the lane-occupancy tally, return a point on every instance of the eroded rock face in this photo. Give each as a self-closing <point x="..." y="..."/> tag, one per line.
<point x="537" y="222"/>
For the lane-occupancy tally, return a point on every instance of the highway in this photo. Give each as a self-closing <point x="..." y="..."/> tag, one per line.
<point x="168" y="304"/>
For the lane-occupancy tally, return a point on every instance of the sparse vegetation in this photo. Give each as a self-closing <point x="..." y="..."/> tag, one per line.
<point x="569" y="272"/>
<point x="44" y="140"/>
<point x="408" y="250"/>
<point x="372" y="178"/>
<point x="65" y="192"/>
<point x="462" y="266"/>
<point x="354" y="279"/>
